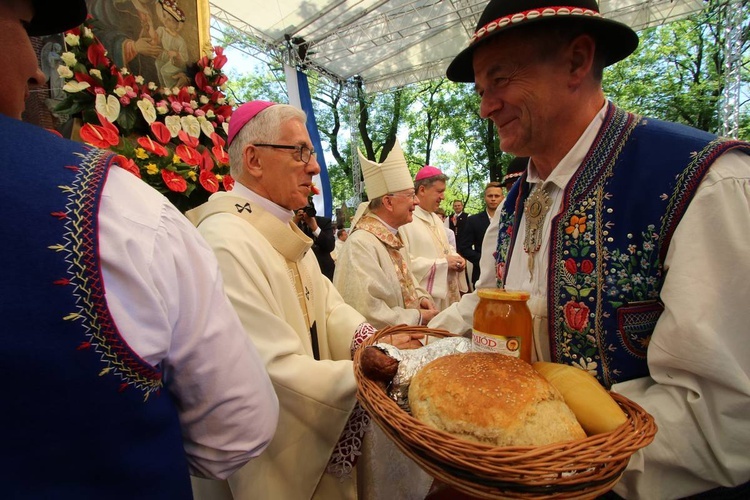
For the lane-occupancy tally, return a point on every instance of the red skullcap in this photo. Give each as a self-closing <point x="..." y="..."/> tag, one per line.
<point x="426" y="172"/>
<point x="244" y="114"/>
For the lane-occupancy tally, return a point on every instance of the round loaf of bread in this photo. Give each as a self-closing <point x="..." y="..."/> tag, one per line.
<point x="492" y="399"/>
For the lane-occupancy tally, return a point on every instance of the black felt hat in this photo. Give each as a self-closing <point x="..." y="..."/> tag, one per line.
<point x="616" y="39"/>
<point x="516" y="168"/>
<point x="56" y="16"/>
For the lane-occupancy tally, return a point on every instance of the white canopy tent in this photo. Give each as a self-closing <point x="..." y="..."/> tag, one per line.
<point x="390" y="43"/>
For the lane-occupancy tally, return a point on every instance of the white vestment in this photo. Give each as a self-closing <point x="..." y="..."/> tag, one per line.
<point x="427" y="246"/>
<point x="315" y="397"/>
<point x="366" y="277"/>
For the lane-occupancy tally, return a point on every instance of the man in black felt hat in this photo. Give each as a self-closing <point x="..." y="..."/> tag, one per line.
<point x="630" y="234"/>
<point x="123" y="366"/>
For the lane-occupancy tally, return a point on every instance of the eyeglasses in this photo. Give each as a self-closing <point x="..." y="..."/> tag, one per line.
<point x="401" y="194"/>
<point x="305" y="153"/>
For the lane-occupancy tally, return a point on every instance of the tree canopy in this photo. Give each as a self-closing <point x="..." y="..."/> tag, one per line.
<point x="678" y="73"/>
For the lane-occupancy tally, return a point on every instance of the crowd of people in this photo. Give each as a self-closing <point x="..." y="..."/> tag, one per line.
<point x="164" y="356"/>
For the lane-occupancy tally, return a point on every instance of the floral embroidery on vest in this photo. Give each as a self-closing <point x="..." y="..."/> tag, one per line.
<point x="604" y="282"/>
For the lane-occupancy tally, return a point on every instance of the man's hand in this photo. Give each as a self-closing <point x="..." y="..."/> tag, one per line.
<point x="427" y="309"/>
<point x="404" y="340"/>
<point x="455" y="262"/>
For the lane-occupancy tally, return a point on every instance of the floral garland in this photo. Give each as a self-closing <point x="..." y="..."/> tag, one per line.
<point x="172" y="138"/>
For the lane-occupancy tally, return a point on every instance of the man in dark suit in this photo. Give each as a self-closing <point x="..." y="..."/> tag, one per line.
<point x="457" y="220"/>
<point x="320" y="230"/>
<point x="472" y="234"/>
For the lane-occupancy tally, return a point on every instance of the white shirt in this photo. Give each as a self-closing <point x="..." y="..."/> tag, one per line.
<point x="166" y="296"/>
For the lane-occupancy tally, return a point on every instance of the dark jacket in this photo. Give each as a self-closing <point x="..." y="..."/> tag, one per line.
<point x="470" y="239"/>
<point x="323" y="244"/>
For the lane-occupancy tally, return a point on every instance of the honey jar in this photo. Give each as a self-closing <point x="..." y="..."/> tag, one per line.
<point x="502" y="323"/>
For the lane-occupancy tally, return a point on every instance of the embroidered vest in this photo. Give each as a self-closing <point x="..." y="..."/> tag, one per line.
<point x="610" y="239"/>
<point x="83" y="416"/>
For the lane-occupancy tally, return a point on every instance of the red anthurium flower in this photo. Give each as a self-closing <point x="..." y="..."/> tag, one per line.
<point x="161" y="132"/>
<point x="220" y="60"/>
<point x="209" y="181"/>
<point x="221" y="80"/>
<point x="188" y="155"/>
<point x="225" y="111"/>
<point x="82" y="77"/>
<point x="108" y="125"/>
<point x="200" y="80"/>
<point x="228" y="182"/>
<point x="188" y="139"/>
<point x="99" y="137"/>
<point x="174" y="181"/>
<point x="207" y="163"/>
<point x="149" y="145"/>
<point x="217" y="139"/>
<point x="183" y="95"/>
<point x="96" y="56"/>
<point x="128" y="165"/>
<point x="203" y="61"/>
<point x="221" y="156"/>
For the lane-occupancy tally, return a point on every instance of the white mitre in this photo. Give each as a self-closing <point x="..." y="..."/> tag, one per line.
<point x="388" y="177"/>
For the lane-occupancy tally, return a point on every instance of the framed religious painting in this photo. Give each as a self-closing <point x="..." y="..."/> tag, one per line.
<point x="159" y="40"/>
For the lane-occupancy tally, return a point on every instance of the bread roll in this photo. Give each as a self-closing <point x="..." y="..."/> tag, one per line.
<point x="492" y="399"/>
<point x="592" y="405"/>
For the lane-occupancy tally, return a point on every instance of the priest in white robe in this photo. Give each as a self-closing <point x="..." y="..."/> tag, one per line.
<point x="435" y="264"/>
<point x="372" y="269"/>
<point x="303" y="329"/>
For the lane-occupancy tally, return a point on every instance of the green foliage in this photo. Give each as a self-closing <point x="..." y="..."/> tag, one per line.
<point x="677" y="74"/>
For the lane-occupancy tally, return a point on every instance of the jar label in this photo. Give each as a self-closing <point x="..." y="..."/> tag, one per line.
<point x="484" y="342"/>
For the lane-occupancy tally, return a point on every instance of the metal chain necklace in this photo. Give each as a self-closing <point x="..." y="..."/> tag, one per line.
<point x="535" y="211"/>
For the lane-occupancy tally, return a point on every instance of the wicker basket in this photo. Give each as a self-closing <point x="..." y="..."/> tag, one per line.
<point x="584" y="468"/>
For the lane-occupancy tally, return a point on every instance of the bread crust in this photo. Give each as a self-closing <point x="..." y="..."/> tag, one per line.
<point x="492" y="399"/>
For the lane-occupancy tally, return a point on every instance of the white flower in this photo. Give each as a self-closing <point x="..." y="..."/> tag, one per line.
<point x="162" y="110"/>
<point x="175" y="90"/>
<point x="72" y="40"/>
<point x="225" y="126"/>
<point x="208" y="71"/>
<point x="210" y="113"/>
<point x="120" y="91"/>
<point x="173" y="124"/>
<point x="147" y="110"/>
<point x="191" y="90"/>
<point x="139" y="80"/>
<point x="203" y="99"/>
<point x="87" y="33"/>
<point x="193" y="104"/>
<point x="221" y="101"/>
<point x="206" y="127"/>
<point x="231" y="102"/>
<point x="95" y="73"/>
<point x="73" y="86"/>
<point x="191" y="126"/>
<point x="108" y="106"/>
<point x="166" y="91"/>
<point x="64" y="72"/>
<point x="152" y="86"/>
<point x="124" y="71"/>
<point x="68" y="58"/>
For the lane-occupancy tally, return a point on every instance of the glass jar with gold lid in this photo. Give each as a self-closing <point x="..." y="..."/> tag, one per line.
<point x="502" y="323"/>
